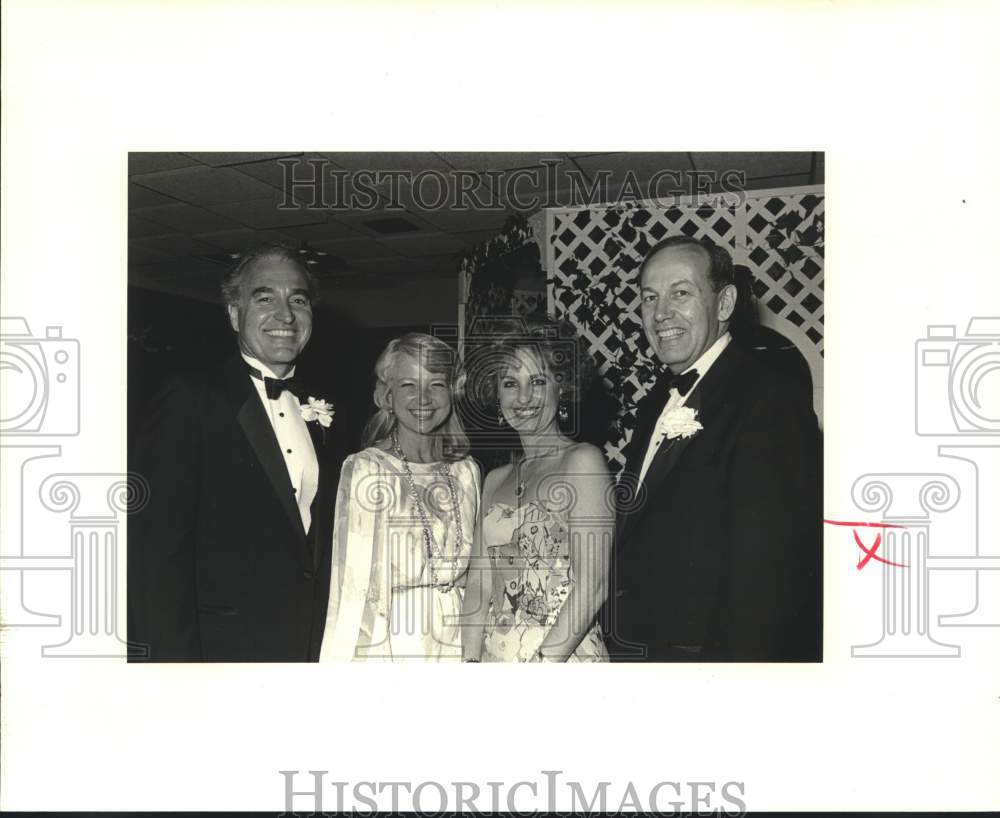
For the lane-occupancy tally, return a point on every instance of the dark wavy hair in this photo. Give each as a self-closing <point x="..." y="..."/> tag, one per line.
<point x="557" y="345"/>
<point x="450" y="442"/>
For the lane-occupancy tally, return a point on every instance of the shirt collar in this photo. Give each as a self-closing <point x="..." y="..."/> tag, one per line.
<point x="266" y="371"/>
<point x="709" y="356"/>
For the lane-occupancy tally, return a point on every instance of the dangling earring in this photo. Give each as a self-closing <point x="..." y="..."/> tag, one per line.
<point x="563" y="411"/>
<point x="499" y="414"/>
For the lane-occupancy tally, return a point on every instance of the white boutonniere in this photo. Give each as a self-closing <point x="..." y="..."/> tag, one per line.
<point x="319" y="411"/>
<point x="681" y="421"/>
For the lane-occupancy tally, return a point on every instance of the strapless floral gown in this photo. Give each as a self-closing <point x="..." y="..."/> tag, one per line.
<point x="531" y="579"/>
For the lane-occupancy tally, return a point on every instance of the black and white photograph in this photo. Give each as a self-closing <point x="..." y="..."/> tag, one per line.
<point x="559" y="407"/>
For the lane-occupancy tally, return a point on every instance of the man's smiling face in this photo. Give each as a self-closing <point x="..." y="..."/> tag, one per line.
<point x="681" y="313"/>
<point x="273" y="317"/>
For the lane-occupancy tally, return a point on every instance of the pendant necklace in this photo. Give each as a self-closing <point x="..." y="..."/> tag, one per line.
<point x="521" y="485"/>
<point x="433" y="553"/>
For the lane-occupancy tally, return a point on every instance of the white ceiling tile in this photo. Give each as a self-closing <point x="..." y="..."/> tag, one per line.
<point x="139" y="196"/>
<point x="755" y="164"/>
<point x="325" y="230"/>
<point x="456" y="221"/>
<point x="235" y="241"/>
<point x="143" y="255"/>
<point x="352" y="249"/>
<point x="497" y="160"/>
<point x="273" y="173"/>
<point x="174" y="245"/>
<point x="266" y="212"/>
<point x="220" y="159"/>
<point x="360" y="220"/>
<point x="141" y="228"/>
<point x="186" y="218"/>
<point x="470" y="239"/>
<point x="396" y="265"/>
<point x="204" y="186"/>
<point x="417" y="244"/>
<point x="387" y="160"/>
<point x="151" y="162"/>
<point x="794" y="180"/>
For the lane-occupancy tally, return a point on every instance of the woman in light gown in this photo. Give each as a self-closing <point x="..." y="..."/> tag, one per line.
<point x="543" y="545"/>
<point x="405" y="515"/>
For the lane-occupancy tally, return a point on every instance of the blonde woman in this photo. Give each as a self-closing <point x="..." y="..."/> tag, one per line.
<point x="405" y="515"/>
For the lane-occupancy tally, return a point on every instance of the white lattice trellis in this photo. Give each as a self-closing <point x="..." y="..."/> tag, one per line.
<point x="784" y="251"/>
<point x="592" y="276"/>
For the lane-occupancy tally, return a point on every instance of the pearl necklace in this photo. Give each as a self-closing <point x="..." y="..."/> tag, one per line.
<point x="430" y="546"/>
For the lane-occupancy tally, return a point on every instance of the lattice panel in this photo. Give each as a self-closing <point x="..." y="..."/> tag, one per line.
<point x="784" y="251"/>
<point x="593" y="283"/>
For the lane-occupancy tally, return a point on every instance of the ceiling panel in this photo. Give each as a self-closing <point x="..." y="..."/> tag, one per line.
<point x="185" y="218"/>
<point x="454" y="221"/>
<point x="266" y="212"/>
<point x="204" y="186"/>
<point x="388" y="160"/>
<point x="175" y="245"/>
<point x="352" y="249"/>
<point x="819" y="169"/>
<point x="139" y="228"/>
<point x="755" y="165"/>
<point x="144" y="197"/>
<point x="480" y="161"/>
<point x="273" y="173"/>
<point x="422" y="244"/>
<point x="395" y="265"/>
<point x="793" y="180"/>
<point x="219" y="159"/>
<point x="151" y="162"/>
<point x="359" y="220"/>
<point x="472" y="238"/>
<point x="326" y="230"/>
<point x="143" y="255"/>
<point x="637" y="175"/>
<point x="235" y="241"/>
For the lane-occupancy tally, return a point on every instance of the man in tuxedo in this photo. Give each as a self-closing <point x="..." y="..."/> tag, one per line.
<point x="229" y="560"/>
<point x="719" y="525"/>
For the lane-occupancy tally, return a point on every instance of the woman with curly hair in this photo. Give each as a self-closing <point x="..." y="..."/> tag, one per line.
<point x="539" y="574"/>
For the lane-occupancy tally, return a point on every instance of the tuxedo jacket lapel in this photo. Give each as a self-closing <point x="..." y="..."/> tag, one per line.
<point x="708" y="398"/>
<point x="670" y="451"/>
<point x="253" y="421"/>
<point x="635" y="452"/>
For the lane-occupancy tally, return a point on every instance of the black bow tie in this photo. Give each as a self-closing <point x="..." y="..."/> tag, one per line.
<point x="273" y="387"/>
<point x="682" y="383"/>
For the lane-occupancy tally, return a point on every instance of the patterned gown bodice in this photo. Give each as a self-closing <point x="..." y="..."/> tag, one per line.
<point x="532" y="576"/>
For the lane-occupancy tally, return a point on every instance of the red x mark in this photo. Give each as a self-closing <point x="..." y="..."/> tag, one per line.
<point x="870" y="552"/>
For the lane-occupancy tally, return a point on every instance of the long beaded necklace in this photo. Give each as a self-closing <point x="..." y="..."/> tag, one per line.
<point x="434" y="555"/>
